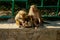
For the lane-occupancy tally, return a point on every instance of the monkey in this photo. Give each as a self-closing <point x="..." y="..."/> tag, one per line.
<point x="37" y="16"/>
<point x="34" y="12"/>
<point x="20" y="18"/>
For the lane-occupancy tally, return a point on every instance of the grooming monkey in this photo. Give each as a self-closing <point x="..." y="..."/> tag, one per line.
<point x="20" y="18"/>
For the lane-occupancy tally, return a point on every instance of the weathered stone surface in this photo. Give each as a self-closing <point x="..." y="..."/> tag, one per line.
<point x="30" y="34"/>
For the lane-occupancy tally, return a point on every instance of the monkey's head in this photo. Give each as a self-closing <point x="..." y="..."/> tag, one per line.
<point x="22" y="13"/>
<point x="32" y="10"/>
<point x="34" y="7"/>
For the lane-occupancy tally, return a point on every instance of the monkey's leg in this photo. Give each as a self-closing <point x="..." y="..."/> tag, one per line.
<point x="18" y="23"/>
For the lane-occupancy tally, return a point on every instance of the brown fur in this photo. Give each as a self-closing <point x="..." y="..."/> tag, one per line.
<point x="33" y="11"/>
<point x="20" y="17"/>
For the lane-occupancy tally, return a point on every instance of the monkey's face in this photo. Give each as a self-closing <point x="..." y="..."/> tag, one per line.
<point x="34" y="8"/>
<point x="22" y="14"/>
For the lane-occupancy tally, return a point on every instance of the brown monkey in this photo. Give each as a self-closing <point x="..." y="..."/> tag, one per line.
<point x="20" y="18"/>
<point x="36" y="16"/>
<point x="35" y="12"/>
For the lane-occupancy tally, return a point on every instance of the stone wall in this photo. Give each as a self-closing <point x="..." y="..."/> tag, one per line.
<point x="30" y="34"/>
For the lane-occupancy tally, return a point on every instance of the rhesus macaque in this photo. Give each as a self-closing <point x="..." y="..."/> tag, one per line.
<point x="34" y="12"/>
<point x="20" y="18"/>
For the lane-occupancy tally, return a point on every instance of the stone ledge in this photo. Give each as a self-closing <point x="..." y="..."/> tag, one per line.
<point x="30" y="34"/>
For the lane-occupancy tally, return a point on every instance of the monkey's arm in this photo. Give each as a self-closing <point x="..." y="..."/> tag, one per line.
<point x="17" y="17"/>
